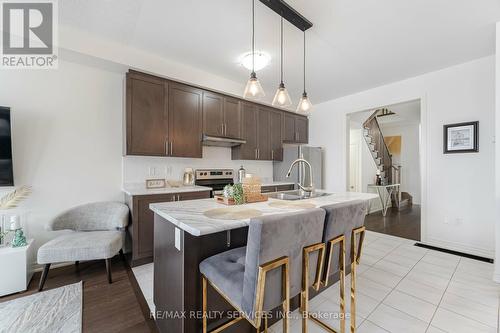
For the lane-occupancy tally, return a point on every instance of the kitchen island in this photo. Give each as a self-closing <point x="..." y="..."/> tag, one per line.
<point x="185" y="235"/>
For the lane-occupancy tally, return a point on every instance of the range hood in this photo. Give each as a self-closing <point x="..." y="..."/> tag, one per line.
<point x="217" y="141"/>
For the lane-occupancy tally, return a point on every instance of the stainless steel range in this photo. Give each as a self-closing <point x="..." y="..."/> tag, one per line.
<point x="214" y="178"/>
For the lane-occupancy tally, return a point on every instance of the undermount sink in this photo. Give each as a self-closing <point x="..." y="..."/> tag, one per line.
<point x="296" y="195"/>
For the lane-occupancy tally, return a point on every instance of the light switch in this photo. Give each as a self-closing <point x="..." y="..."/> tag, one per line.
<point x="178" y="239"/>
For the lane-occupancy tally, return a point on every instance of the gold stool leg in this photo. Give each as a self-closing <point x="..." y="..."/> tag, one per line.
<point x="286" y="291"/>
<point x="204" y="306"/>
<point x="342" y="285"/>
<point x="355" y="257"/>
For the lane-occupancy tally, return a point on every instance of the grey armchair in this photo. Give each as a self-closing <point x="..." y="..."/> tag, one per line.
<point x="98" y="234"/>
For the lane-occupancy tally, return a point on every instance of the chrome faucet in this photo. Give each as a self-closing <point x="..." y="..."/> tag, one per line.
<point x="309" y="189"/>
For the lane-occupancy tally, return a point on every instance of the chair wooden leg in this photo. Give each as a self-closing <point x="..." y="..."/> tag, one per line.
<point x="44" y="276"/>
<point x="108" y="269"/>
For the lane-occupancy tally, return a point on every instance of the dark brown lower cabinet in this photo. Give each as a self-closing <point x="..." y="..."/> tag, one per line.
<point x="141" y="227"/>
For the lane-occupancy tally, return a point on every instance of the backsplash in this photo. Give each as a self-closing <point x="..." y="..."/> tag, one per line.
<point x="138" y="168"/>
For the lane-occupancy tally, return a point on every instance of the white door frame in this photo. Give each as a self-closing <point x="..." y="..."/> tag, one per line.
<point x="424" y="149"/>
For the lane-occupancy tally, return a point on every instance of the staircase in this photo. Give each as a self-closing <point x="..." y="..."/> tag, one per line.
<point x="390" y="173"/>
<point x="376" y="144"/>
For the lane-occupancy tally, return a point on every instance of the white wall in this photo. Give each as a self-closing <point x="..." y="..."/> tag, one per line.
<point x="409" y="158"/>
<point x="458" y="205"/>
<point x="67" y="137"/>
<point x="497" y="154"/>
<point x="136" y="168"/>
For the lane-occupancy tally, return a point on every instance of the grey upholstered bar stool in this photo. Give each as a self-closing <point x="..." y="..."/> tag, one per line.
<point x="344" y="225"/>
<point x="98" y="234"/>
<point x="249" y="278"/>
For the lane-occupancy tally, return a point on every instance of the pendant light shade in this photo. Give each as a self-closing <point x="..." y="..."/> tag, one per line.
<point x="253" y="89"/>
<point x="282" y="97"/>
<point x="305" y="104"/>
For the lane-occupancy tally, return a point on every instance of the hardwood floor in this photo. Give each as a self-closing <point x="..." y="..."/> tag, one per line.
<point x="405" y="223"/>
<point x="111" y="308"/>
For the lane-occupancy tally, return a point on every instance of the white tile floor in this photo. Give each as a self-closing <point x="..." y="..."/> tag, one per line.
<point x="403" y="288"/>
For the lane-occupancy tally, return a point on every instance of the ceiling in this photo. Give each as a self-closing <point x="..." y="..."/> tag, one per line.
<point x="354" y="45"/>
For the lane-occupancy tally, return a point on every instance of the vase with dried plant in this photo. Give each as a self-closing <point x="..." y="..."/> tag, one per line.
<point x="10" y="201"/>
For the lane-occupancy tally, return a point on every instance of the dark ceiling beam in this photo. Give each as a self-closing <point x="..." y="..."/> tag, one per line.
<point x="289" y="14"/>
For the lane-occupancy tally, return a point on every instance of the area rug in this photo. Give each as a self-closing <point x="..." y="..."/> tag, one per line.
<point x="56" y="311"/>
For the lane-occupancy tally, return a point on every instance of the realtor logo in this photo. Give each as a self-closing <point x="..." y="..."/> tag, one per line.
<point x="28" y="34"/>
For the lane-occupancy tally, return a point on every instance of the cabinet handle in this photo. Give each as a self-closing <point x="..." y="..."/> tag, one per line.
<point x="222" y="129"/>
<point x="173" y="197"/>
<point x="272" y="154"/>
<point x="225" y="129"/>
<point x="171" y="148"/>
<point x="256" y="154"/>
<point x="166" y="147"/>
<point x="178" y="197"/>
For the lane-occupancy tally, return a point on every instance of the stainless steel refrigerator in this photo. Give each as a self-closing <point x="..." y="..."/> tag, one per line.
<point x="313" y="155"/>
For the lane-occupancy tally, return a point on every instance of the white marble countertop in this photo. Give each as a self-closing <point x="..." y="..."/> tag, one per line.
<point x="140" y="189"/>
<point x="189" y="215"/>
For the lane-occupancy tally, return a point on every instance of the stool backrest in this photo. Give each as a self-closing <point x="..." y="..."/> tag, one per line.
<point x="341" y="219"/>
<point x="274" y="236"/>
<point x="93" y="217"/>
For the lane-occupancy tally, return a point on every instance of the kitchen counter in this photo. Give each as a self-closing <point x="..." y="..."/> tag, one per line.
<point x="189" y="215"/>
<point x="184" y="237"/>
<point x="140" y="189"/>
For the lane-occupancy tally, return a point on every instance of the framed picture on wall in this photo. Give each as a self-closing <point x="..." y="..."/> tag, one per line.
<point x="461" y="137"/>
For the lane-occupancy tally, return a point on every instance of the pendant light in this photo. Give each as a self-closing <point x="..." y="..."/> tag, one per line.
<point x="253" y="88"/>
<point x="282" y="98"/>
<point x="305" y="104"/>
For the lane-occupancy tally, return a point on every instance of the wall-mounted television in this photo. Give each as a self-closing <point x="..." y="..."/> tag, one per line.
<point x="6" y="167"/>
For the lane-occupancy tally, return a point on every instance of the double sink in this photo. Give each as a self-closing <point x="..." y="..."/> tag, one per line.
<point x="296" y="195"/>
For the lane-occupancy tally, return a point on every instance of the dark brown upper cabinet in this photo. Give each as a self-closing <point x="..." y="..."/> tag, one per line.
<point x="213" y="114"/>
<point x="185" y="120"/>
<point x="247" y="151"/>
<point x="275" y="121"/>
<point x="264" y="134"/>
<point x="147" y="115"/>
<point x="295" y="128"/>
<point x="167" y="118"/>
<point x="260" y="133"/>
<point x="232" y="118"/>
<point x="221" y="116"/>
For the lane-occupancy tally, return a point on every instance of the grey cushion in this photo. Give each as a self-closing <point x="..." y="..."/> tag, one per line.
<point x="271" y="237"/>
<point x="75" y="246"/>
<point x="341" y="219"/>
<point x="93" y="216"/>
<point x="226" y="270"/>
